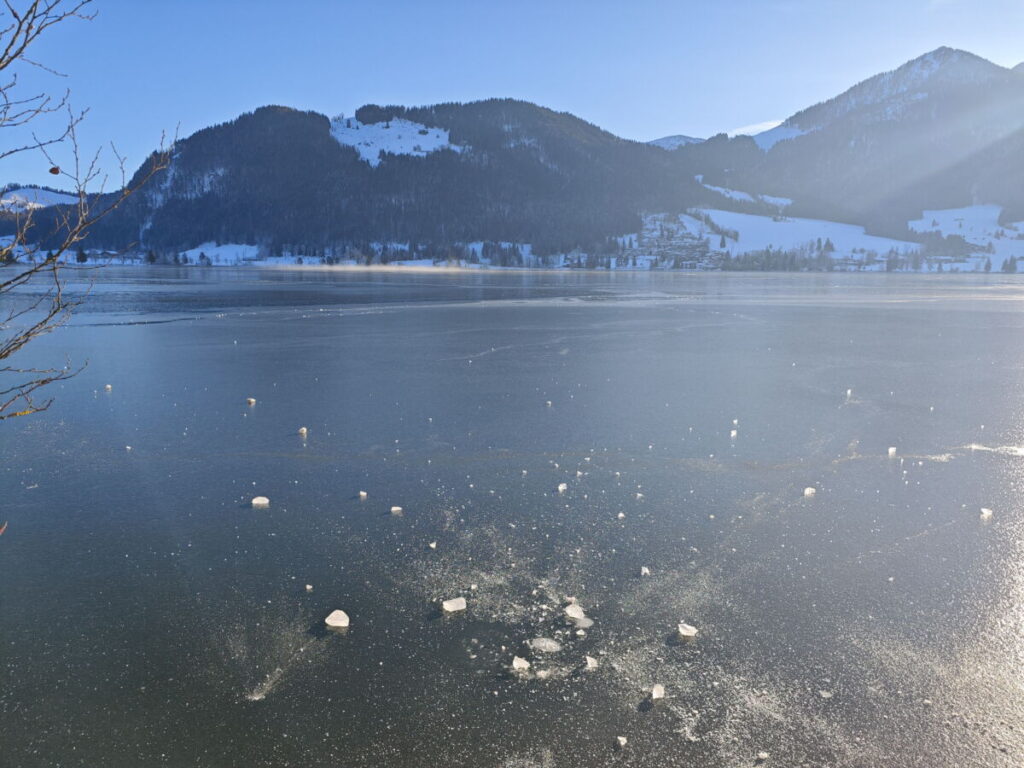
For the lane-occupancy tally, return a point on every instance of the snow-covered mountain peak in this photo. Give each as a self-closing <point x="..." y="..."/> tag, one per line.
<point x="887" y="94"/>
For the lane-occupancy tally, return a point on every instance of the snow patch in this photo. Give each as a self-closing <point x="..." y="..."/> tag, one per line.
<point x="732" y="194"/>
<point x="397" y="136"/>
<point x="768" y="139"/>
<point x="22" y="199"/>
<point x="674" y="142"/>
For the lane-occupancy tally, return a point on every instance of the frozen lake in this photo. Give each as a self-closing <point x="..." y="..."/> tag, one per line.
<point x="149" y="616"/>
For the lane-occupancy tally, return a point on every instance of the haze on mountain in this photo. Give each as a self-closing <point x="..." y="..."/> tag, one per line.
<point x="942" y="131"/>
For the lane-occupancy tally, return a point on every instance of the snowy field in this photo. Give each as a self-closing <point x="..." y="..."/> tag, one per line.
<point x="757" y="233"/>
<point x="979" y="226"/>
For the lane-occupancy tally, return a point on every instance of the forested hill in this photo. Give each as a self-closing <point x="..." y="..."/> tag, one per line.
<point x="496" y="170"/>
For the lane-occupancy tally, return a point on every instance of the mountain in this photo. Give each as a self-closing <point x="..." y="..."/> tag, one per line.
<point x="884" y="150"/>
<point x="497" y="170"/>
<point x="674" y="142"/>
<point x="943" y="131"/>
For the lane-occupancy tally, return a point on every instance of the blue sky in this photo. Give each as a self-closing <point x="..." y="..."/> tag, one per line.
<point x="639" y="69"/>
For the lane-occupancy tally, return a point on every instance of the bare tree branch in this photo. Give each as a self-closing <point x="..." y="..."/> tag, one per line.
<point x="40" y="314"/>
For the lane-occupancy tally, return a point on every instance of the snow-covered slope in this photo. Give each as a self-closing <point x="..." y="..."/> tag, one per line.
<point x="228" y="254"/>
<point x="757" y="233"/>
<point x="885" y="95"/>
<point x="674" y="142"/>
<point x="746" y="197"/>
<point x="398" y="137"/>
<point x="768" y="139"/>
<point x="20" y="199"/>
<point x="979" y="226"/>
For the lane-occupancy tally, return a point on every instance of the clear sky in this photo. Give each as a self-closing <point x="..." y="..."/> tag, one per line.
<point x="639" y="68"/>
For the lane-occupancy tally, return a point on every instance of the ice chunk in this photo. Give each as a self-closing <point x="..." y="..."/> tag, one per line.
<point x="686" y="631"/>
<point x="303" y="431"/>
<point x="657" y="692"/>
<point x="986" y="513"/>
<point x="260" y="501"/>
<point x="892" y="451"/>
<point x="433" y="545"/>
<point x="396" y="510"/>
<point x="519" y="664"/>
<point x="574" y="611"/>
<point x="563" y="487"/>
<point x="250" y="400"/>
<point x="309" y="587"/>
<point x="108" y="387"/>
<point x="645" y="571"/>
<point x="337" y="619"/>
<point x="454" y="605"/>
<point x="809" y="492"/>
<point x="620" y="742"/>
<point x="825" y="694"/>
<point x="591" y="662"/>
<point x="545" y="645"/>
<point x="761" y="757"/>
<point x="362" y="495"/>
<point x="733" y="434"/>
